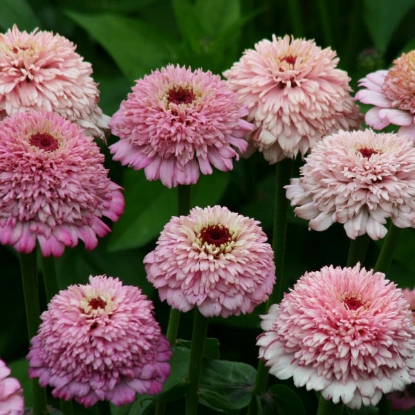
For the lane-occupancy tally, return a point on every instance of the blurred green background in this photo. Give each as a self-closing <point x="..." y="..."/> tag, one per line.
<point x="126" y="39"/>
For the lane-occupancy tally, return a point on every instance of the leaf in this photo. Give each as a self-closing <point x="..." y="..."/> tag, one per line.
<point x="226" y="385"/>
<point x="211" y="350"/>
<point x="136" y="46"/>
<point x="17" y="12"/>
<point x="383" y="17"/>
<point x="150" y="205"/>
<point x="284" y="401"/>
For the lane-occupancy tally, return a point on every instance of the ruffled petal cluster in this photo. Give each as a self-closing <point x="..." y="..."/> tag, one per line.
<point x="177" y="123"/>
<point x="345" y="332"/>
<point x="359" y="179"/>
<point x="100" y="341"/>
<point x="40" y="70"/>
<point x="392" y="92"/>
<point x="54" y="188"/>
<point x="11" y="394"/>
<point x="213" y="259"/>
<point x="295" y="95"/>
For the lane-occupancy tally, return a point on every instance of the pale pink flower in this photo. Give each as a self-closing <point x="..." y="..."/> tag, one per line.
<point x="392" y="93"/>
<point x="177" y="123"/>
<point x="100" y="341"/>
<point x="53" y="185"/>
<point x="295" y="95"/>
<point x="410" y="297"/>
<point x="11" y="394"/>
<point x="40" y="70"/>
<point x="345" y="332"/>
<point x="358" y="179"/>
<point x="213" y="259"/>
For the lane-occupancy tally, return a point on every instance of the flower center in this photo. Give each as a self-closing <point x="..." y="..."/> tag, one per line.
<point x="44" y="141"/>
<point x="180" y="95"/>
<point x="215" y="235"/>
<point x="353" y="302"/>
<point x="399" y="84"/>
<point x="289" y="59"/>
<point x="96" y="303"/>
<point x="367" y="152"/>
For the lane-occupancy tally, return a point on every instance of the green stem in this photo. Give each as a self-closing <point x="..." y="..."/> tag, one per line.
<point x="325" y="21"/>
<point x="294" y="11"/>
<point x="283" y="174"/>
<point x="50" y="279"/>
<point x="102" y="408"/>
<point x="357" y="250"/>
<point x="183" y="207"/>
<point x="66" y="407"/>
<point x="31" y="296"/>
<point x="388" y="248"/>
<point x="329" y="408"/>
<point x="200" y="324"/>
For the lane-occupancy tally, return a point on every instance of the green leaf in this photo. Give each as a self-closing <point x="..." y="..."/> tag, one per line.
<point x="226" y="385"/>
<point x="383" y="17"/>
<point x="211" y="350"/>
<point x="150" y="205"/>
<point x="136" y="46"/>
<point x="284" y="401"/>
<point x="17" y="12"/>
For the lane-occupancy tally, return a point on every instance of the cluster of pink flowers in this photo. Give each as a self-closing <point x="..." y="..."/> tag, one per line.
<point x="346" y="332"/>
<point x="11" y="394"/>
<point x="100" y="341"/>
<point x="295" y="95"/>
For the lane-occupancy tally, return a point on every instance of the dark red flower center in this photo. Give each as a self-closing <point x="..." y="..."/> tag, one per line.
<point x="96" y="303"/>
<point x="215" y="235"/>
<point x="367" y="152"/>
<point x="289" y="59"/>
<point x="353" y="302"/>
<point x="180" y="95"/>
<point x="44" y="141"/>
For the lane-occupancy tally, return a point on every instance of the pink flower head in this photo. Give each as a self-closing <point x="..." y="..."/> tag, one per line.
<point x="53" y="186"/>
<point x="214" y="259"/>
<point x="393" y="95"/>
<point x="11" y="394"/>
<point x="346" y="332"/>
<point x="40" y="70"/>
<point x="358" y="179"/>
<point x="177" y="122"/>
<point x="295" y="95"/>
<point x="100" y="341"/>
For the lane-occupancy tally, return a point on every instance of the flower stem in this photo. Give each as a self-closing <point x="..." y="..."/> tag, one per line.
<point x="388" y="248"/>
<point x="31" y="296"/>
<point x="329" y="408"/>
<point x="283" y="174"/>
<point x="200" y="324"/>
<point x="357" y="250"/>
<point x="50" y="279"/>
<point x="102" y="408"/>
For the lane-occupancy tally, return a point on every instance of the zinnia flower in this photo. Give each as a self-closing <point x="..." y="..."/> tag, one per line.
<point x="358" y="179"/>
<point x="177" y="122"/>
<point x="11" y="394"/>
<point x="53" y="186"/>
<point x="295" y="95"/>
<point x="393" y="95"/>
<point x="346" y="332"/>
<point x="100" y="341"/>
<point x="213" y="259"/>
<point x="40" y="70"/>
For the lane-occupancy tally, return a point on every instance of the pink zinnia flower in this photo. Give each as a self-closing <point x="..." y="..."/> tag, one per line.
<point x="213" y="259"/>
<point x="11" y="394"/>
<point x="295" y="95"/>
<point x="346" y="332"/>
<point x="177" y="122"/>
<point x="100" y="341"/>
<point x="392" y="93"/>
<point x="40" y="70"/>
<point x="358" y="179"/>
<point x="53" y="185"/>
